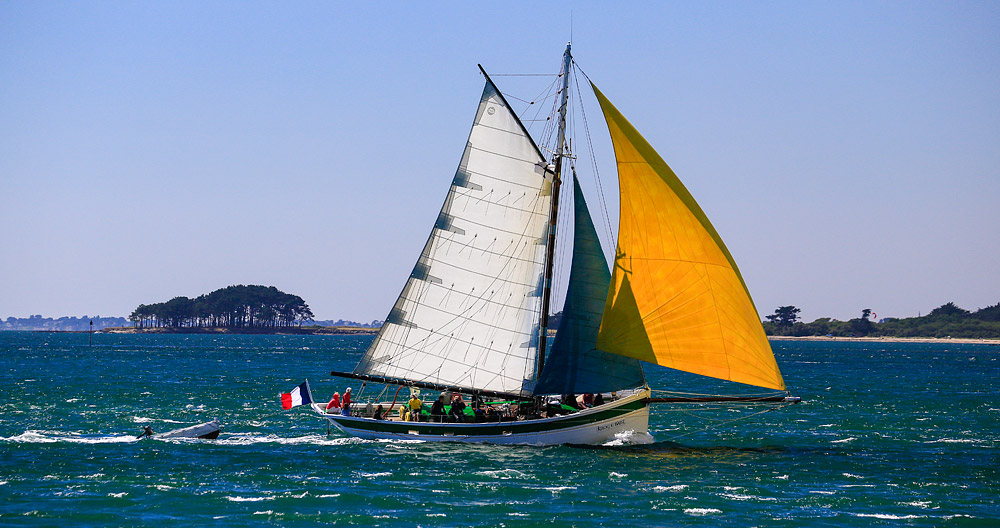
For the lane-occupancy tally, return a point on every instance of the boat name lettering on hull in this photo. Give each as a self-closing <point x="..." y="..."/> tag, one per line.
<point x="609" y="426"/>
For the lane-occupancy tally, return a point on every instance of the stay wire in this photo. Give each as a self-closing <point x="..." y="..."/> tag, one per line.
<point x="593" y="161"/>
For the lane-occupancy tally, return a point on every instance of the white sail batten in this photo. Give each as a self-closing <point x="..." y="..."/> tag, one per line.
<point x="468" y="314"/>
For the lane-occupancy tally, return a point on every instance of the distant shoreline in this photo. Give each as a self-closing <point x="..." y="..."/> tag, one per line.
<point x="288" y="330"/>
<point x="358" y="330"/>
<point x="956" y="340"/>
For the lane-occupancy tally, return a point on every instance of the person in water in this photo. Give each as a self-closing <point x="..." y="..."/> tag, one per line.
<point x="346" y="404"/>
<point x="147" y="431"/>
<point x="334" y="406"/>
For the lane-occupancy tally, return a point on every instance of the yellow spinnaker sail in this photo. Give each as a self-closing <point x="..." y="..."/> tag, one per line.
<point x="677" y="298"/>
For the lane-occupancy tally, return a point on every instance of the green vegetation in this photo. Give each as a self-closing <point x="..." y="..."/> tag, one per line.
<point x="230" y="307"/>
<point x="947" y="320"/>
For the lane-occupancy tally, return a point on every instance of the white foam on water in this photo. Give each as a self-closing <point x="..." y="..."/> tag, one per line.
<point x="954" y="441"/>
<point x="118" y="495"/>
<point x="143" y="419"/>
<point x="49" y="437"/>
<point x="616" y="475"/>
<point x="437" y="515"/>
<point x="821" y="492"/>
<point x="557" y="489"/>
<point x="851" y="475"/>
<point x="72" y="400"/>
<point x="676" y="487"/>
<point x="328" y="496"/>
<point x="503" y="474"/>
<point x="919" y="504"/>
<point x="782" y="477"/>
<point x="889" y="516"/>
<point x="374" y="475"/>
<point x="254" y="438"/>
<point x="739" y="497"/>
<point x="701" y="511"/>
<point x="630" y="437"/>
<point x="250" y="499"/>
<point x="843" y="440"/>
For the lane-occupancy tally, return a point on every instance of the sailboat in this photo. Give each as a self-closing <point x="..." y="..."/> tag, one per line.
<point x="473" y="316"/>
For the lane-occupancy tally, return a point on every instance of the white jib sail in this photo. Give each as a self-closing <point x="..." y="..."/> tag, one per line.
<point x="468" y="315"/>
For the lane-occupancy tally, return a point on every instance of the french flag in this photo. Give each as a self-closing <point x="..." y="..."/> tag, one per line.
<point x="299" y="396"/>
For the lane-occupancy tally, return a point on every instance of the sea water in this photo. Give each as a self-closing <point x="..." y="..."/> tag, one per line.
<point x="888" y="434"/>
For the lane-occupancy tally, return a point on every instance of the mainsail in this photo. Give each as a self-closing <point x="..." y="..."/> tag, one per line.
<point x="574" y="365"/>
<point x="676" y="298"/>
<point x="468" y="314"/>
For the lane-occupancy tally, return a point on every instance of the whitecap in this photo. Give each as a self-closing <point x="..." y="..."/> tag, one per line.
<point x="373" y="475"/>
<point x="701" y="511"/>
<point x="249" y="499"/>
<point x="889" y="516"/>
<point x="557" y="489"/>
<point x="615" y="474"/>
<point x="841" y="441"/>
<point x="736" y="496"/>
<point x="953" y="441"/>
<point x="118" y="495"/>
<point x="821" y="492"/>
<point x="851" y="475"/>
<point x="504" y="474"/>
<point x="676" y="487"/>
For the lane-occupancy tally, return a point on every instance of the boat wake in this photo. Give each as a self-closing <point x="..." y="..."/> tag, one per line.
<point x="32" y="436"/>
<point x="630" y="438"/>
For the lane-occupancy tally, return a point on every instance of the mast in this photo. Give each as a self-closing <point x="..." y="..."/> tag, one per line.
<point x="559" y="154"/>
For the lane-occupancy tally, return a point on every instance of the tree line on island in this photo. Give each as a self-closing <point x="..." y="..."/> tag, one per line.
<point x="947" y="320"/>
<point x="230" y="307"/>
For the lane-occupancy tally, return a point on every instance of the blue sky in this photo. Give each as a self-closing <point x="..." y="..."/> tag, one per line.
<point x="848" y="153"/>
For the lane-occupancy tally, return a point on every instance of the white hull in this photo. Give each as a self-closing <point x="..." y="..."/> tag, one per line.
<point x="593" y="426"/>
<point x="207" y="430"/>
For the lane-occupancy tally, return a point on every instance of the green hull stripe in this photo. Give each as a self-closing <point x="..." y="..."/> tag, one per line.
<point x="484" y="429"/>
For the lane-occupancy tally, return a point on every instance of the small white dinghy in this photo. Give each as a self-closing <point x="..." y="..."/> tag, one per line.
<point x="207" y="431"/>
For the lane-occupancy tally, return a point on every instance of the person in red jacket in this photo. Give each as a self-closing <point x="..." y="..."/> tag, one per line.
<point x="347" y="402"/>
<point x="334" y="405"/>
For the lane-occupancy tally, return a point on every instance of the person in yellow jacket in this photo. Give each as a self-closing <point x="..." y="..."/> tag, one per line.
<point x="415" y="404"/>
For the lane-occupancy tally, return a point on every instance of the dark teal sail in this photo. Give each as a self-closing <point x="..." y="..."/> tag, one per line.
<point x="573" y="364"/>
